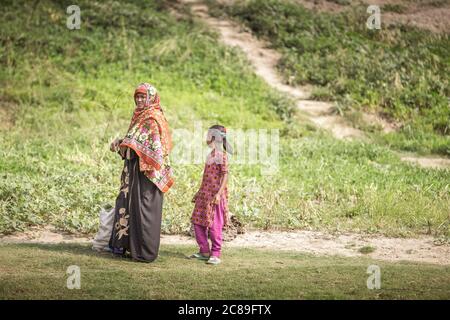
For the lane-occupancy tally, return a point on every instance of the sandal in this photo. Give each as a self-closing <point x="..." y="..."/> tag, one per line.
<point x="213" y="260"/>
<point x="198" y="256"/>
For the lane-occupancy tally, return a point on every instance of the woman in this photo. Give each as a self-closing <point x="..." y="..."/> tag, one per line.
<point x="146" y="176"/>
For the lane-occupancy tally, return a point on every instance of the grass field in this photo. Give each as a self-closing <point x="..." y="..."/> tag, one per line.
<point x="243" y="274"/>
<point x="65" y="94"/>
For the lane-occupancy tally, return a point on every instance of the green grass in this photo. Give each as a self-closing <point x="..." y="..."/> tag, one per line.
<point x="66" y="94"/>
<point x="398" y="71"/>
<point x="393" y="7"/>
<point x="366" y="249"/>
<point x="243" y="274"/>
<point x="341" y="2"/>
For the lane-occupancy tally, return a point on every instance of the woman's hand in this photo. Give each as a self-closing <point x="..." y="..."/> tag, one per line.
<point x="114" y="147"/>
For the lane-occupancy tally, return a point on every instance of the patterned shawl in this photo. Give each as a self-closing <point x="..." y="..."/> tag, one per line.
<point x="149" y="136"/>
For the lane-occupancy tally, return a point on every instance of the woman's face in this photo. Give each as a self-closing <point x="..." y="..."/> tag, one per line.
<point x="140" y="100"/>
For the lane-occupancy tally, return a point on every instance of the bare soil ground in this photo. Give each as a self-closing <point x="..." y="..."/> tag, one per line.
<point x="424" y="249"/>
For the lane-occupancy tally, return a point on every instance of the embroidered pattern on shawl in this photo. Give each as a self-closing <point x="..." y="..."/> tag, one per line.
<point x="149" y="136"/>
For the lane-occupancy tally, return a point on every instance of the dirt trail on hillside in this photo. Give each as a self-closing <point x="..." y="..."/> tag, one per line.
<point x="322" y="114"/>
<point x="423" y="249"/>
<point x="264" y="61"/>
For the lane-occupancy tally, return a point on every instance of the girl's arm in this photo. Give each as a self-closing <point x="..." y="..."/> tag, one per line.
<point x="223" y="183"/>
<point x="195" y="197"/>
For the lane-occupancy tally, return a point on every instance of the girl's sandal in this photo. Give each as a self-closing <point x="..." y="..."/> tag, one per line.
<point x="213" y="260"/>
<point x="198" y="256"/>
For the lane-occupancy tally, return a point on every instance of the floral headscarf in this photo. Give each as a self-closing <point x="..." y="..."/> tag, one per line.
<point x="149" y="136"/>
<point x="151" y="95"/>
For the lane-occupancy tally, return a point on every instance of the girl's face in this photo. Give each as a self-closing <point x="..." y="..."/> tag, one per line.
<point x="140" y="100"/>
<point x="210" y="139"/>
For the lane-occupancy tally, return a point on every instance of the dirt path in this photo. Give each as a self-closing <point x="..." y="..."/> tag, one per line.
<point x="427" y="162"/>
<point x="390" y="249"/>
<point x="421" y="249"/>
<point x="264" y="61"/>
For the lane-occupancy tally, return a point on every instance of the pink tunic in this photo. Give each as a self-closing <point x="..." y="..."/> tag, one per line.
<point x="215" y="168"/>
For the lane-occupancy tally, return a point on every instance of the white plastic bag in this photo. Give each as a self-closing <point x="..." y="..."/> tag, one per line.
<point x="101" y="240"/>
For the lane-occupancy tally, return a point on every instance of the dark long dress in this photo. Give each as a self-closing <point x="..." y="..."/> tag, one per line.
<point x="138" y="211"/>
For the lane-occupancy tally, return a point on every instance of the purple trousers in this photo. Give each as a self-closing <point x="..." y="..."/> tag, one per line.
<point x="215" y="233"/>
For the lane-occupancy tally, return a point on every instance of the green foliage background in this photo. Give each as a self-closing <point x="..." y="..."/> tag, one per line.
<point x="65" y="94"/>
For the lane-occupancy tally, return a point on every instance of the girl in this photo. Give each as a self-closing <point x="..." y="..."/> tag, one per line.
<point x="211" y="201"/>
<point x="146" y="176"/>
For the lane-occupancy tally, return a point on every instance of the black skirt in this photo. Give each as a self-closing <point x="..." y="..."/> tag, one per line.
<point x="137" y="221"/>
